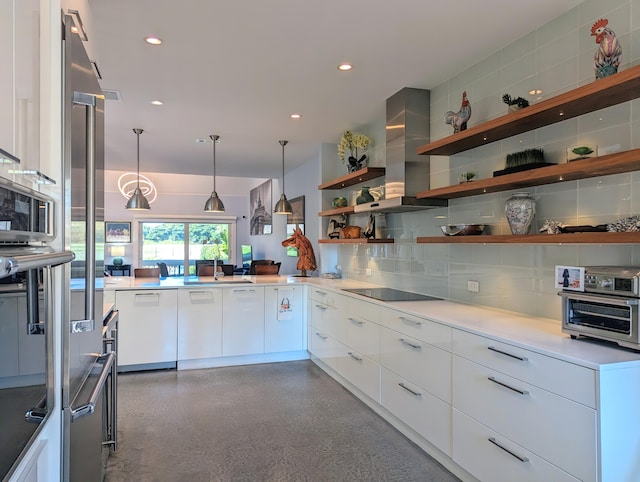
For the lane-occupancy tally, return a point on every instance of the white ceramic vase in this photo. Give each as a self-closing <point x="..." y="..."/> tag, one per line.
<point x="520" y="209"/>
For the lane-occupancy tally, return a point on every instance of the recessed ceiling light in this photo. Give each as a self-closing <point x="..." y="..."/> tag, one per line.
<point x="535" y="92"/>
<point x="157" y="102"/>
<point x="153" y="40"/>
<point x="296" y="116"/>
<point x="345" y="66"/>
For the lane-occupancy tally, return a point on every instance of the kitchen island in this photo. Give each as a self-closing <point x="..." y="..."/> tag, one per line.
<point x="491" y="394"/>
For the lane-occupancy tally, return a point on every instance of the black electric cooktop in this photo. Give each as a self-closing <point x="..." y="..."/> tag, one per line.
<point x="390" y="294"/>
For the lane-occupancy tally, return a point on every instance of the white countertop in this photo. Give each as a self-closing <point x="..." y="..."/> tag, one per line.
<point x="542" y="335"/>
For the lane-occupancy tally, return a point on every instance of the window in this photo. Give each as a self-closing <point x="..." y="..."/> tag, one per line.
<point x="179" y="245"/>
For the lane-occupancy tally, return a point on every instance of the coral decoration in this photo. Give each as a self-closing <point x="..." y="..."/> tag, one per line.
<point x="609" y="55"/>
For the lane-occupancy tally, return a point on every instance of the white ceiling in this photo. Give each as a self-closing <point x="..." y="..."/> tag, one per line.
<point x="240" y="68"/>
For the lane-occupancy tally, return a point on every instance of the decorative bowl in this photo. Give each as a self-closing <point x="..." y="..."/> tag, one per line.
<point x="462" y="229"/>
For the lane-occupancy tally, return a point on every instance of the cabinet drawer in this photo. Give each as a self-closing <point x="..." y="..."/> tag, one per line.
<point x="364" y="336"/>
<point x="425" y="365"/>
<point x="327" y="348"/>
<point x="424" y="413"/>
<point x="327" y="319"/>
<point x="327" y="297"/>
<point x="420" y="328"/>
<point x="360" y="371"/>
<point x="505" y="462"/>
<point x="555" y="428"/>
<point x="557" y="376"/>
<point x="199" y="324"/>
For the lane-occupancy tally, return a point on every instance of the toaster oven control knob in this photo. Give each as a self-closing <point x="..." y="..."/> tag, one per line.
<point x="606" y="283"/>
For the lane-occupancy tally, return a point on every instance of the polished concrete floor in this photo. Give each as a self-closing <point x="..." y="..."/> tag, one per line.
<point x="271" y="422"/>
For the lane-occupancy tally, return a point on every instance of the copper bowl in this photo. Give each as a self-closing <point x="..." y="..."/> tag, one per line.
<point x="462" y="229"/>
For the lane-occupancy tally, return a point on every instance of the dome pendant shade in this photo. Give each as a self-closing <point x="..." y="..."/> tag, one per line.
<point x="137" y="201"/>
<point x="214" y="204"/>
<point x="283" y="206"/>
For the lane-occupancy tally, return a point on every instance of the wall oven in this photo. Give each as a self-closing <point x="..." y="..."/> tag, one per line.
<point x="26" y="316"/>
<point x="607" y="309"/>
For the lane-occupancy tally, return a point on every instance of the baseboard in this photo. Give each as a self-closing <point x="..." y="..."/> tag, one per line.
<point x="228" y="361"/>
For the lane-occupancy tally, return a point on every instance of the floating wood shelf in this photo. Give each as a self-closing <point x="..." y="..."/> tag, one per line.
<point x="357" y="177"/>
<point x="355" y="241"/>
<point x="585" y="168"/>
<point x="602" y="93"/>
<point x="336" y="211"/>
<point x="564" y="238"/>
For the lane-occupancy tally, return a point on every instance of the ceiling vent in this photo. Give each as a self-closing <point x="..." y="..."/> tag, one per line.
<point x="112" y="95"/>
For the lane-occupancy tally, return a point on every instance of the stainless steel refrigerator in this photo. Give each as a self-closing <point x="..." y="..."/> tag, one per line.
<point x="86" y="369"/>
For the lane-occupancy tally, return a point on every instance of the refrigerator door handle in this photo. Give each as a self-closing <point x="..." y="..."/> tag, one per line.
<point x="90" y="406"/>
<point x="37" y="413"/>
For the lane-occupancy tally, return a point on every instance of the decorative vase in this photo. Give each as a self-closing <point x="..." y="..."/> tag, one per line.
<point x="520" y="209"/>
<point x="365" y="196"/>
<point x="339" y="202"/>
<point x="117" y="262"/>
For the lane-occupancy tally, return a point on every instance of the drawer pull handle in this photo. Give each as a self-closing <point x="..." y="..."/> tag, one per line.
<point x="355" y="357"/>
<point x="502" y="384"/>
<point x="320" y="307"/>
<point x="521" y="358"/>
<point x="411" y="322"/>
<point x="408" y="343"/>
<point x="356" y="322"/>
<point x="412" y="392"/>
<point x="321" y="336"/>
<point x="520" y="458"/>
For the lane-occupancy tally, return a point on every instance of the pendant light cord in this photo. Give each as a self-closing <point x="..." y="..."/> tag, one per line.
<point x="283" y="143"/>
<point x="214" y="138"/>
<point x="138" y="132"/>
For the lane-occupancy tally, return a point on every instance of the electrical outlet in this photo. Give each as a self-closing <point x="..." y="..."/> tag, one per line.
<point x="367" y="271"/>
<point x="339" y="267"/>
<point x="473" y="286"/>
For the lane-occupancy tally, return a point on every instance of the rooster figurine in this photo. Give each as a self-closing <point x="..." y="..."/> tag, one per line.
<point x="459" y="119"/>
<point x="607" y="58"/>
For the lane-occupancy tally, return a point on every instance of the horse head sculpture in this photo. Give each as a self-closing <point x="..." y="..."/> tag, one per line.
<point x="306" y="256"/>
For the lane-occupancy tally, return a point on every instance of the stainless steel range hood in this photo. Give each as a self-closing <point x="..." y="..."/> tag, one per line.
<point x="406" y="172"/>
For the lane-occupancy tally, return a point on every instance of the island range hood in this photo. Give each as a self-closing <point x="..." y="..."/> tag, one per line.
<point x="407" y="173"/>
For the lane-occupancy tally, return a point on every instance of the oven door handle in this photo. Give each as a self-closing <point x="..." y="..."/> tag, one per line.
<point x="10" y="265"/>
<point x="612" y="300"/>
<point x="89" y="407"/>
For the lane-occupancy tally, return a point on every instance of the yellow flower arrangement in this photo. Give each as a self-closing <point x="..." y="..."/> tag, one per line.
<point x="351" y="142"/>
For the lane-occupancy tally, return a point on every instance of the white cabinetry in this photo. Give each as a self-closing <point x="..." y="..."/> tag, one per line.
<point x="243" y="321"/>
<point x="199" y="323"/>
<point x="508" y="400"/>
<point x="284" y="319"/>
<point x="148" y="327"/>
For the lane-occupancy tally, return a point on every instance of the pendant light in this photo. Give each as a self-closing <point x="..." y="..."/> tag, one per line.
<point x="283" y="206"/>
<point x="214" y="204"/>
<point x="137" y="201"/>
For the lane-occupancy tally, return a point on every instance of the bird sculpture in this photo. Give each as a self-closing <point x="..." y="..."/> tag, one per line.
<point x="608" y="56"/>
<point x="459" y="119"/>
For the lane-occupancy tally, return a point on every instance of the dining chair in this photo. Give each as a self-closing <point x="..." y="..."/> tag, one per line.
<point x="267" y="269"/>
<point x="258" y="262"/>
<point x="164" y="271"/>
<point x="206" y="270"/>
<point x="146" y="272"/>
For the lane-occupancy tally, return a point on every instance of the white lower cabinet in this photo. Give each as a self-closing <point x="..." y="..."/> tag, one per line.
<point x="199" y="323"/>
<point x="283" y="319"/>
<point x="419" y="362"/>
<point x="555" y="428"/>
<point x="426" y="414"/>
<point x="148" y="326"/>
<point x="326" y="348"/>
<point x="242" y="321"/>
<point x="490" y="456"/>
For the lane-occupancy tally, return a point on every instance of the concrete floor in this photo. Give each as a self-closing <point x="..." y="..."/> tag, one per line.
<point x="271" y="422"/>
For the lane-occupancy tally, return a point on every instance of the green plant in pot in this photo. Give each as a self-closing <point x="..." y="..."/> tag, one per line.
<point x="515" y="103"/>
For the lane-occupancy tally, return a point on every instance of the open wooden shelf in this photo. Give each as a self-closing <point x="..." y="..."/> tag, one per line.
<point x="336" y="211"/>
<point x="612" y="90"/>
<point x="355" y="241"/>
<point x="585" y="168"/>
<point x="354" y="178"/>
<point x="563" y="238"/>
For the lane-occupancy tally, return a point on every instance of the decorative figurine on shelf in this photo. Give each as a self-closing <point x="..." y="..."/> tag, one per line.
<point x="459" y="119"/>
<point x="336" y="223"/>
<point x="370" y="229"/>
<point x="351" y="142"/>
<point x="306" y="256"/>
<point x="608" y="56"/>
